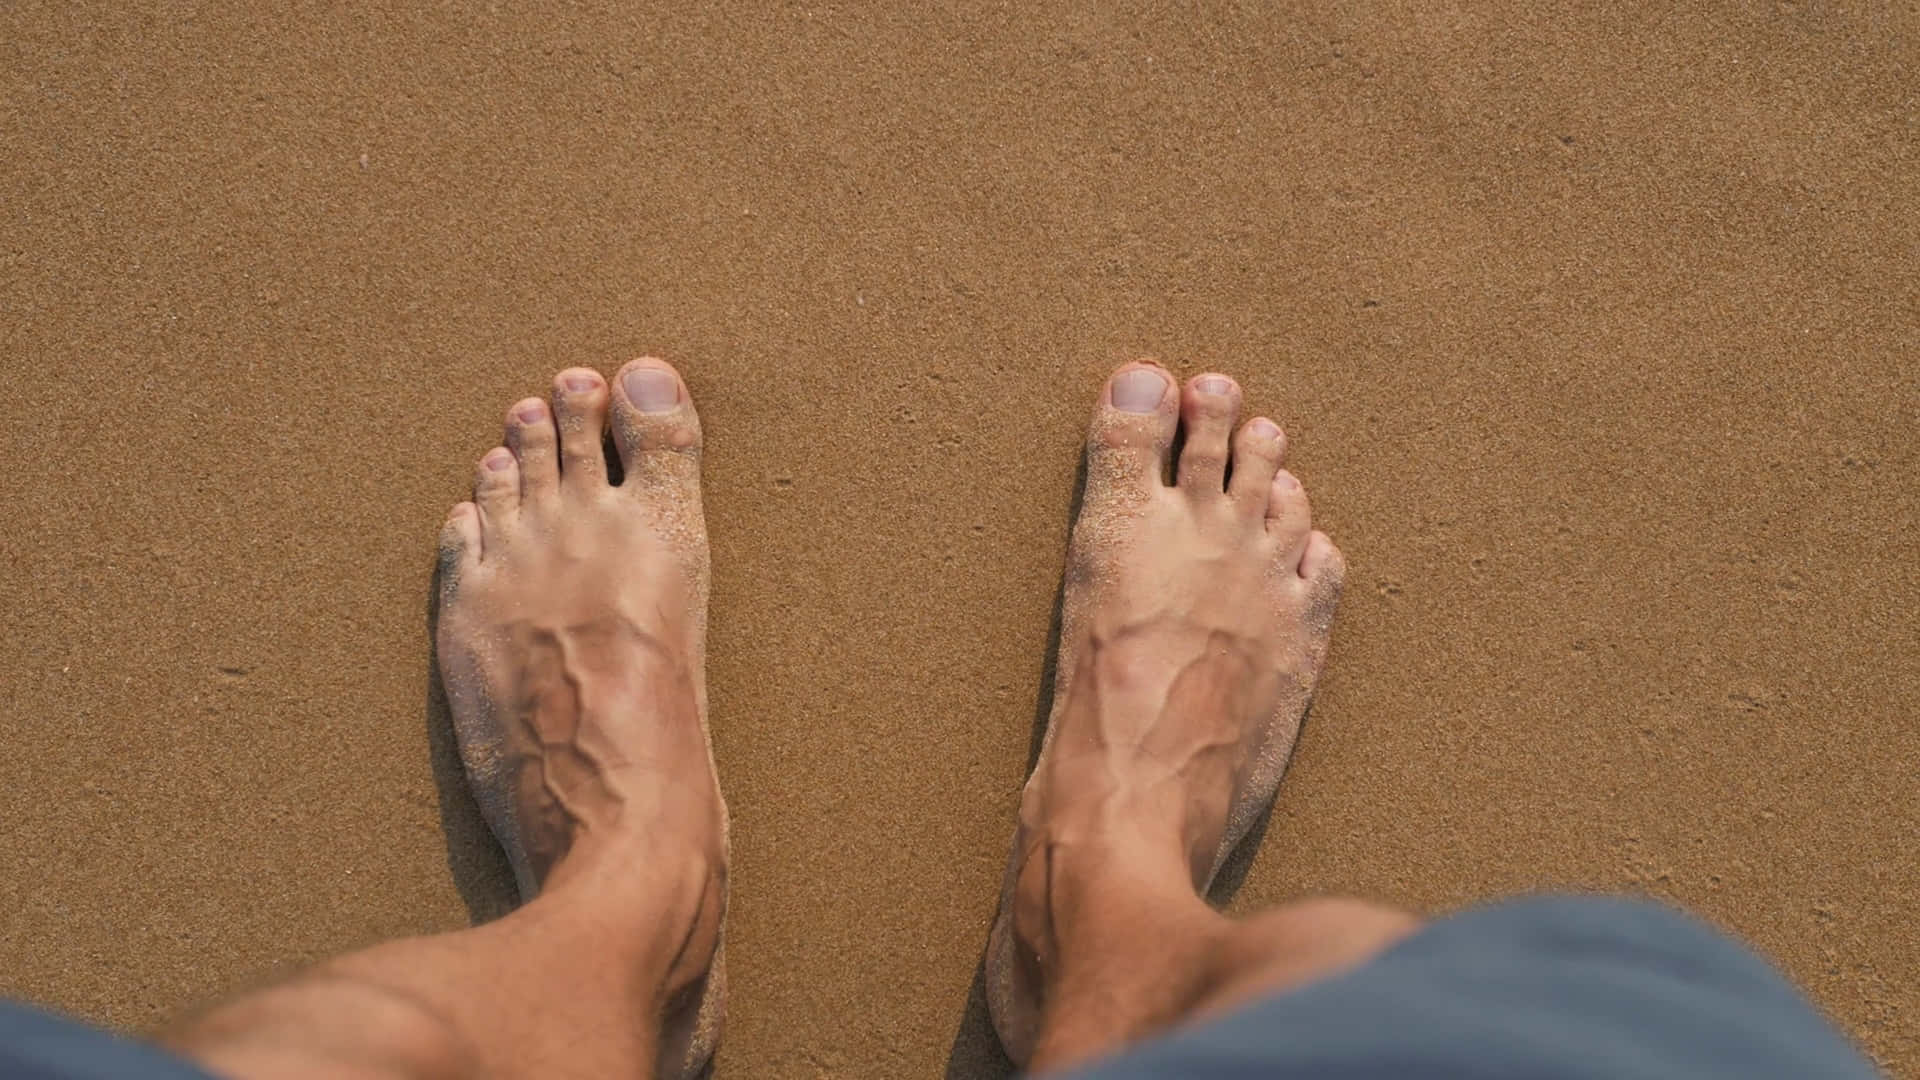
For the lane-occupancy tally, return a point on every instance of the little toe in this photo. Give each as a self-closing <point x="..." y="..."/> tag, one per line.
<point x="1258" y="448"/>
<point x="1132" y="433"/>
<point x="1289" y="516"/>
<point x="1208" y="408"/>
<point x="460" y="540"/>
<point x="1324" y="570"/>
<point x="580" y="407"/>
<point x="1321" y="561"/>
<point x="655" y="426"/>
<point x="496" y="485"/>
<point x="531" y="437"/>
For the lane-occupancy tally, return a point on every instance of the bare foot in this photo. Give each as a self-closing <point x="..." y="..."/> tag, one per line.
<point x="571" y="640"/>
<point x="1194" y="626"/>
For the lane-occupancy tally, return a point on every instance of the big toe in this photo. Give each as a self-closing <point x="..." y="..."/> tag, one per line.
<point x="1131" y="438"/>
<point x="655" y="426"/>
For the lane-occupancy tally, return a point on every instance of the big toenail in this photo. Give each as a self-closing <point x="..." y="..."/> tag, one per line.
<point x="497" y="459"/>
<point x="1139" y="390"/>
<point x="652" y="389"/>
<point x="1212" y="384"/>
<point x="579" y="384"/>
<point x="1286" y="480"/>
<point x="531" y="412"/>
<point x="1264" y="428"/>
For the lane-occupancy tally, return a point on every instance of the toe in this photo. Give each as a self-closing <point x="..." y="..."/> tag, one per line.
<point x="496" y="485"/>
<point x="461" y="532"/>
<point x="654" y="425"/>
<point x="1325" y="572"/>
<point x="1132" y="432"/>
<point x="1289" y="517"/>
<point x="459" y="545"/>
<point x="1208" y="407"/>
<point x="531" y="437"/>
<point x="580" y="408"/>
<point x="1258" y="448"/>
<point x="1321" y="561"/>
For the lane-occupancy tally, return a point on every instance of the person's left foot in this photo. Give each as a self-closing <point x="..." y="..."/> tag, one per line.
<point x="1194" y="624"/>
<point x="571" y="640"/>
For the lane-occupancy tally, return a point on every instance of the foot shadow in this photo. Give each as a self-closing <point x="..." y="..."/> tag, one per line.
<point x="474" y="858"/>
<point x="976" y="1053"/>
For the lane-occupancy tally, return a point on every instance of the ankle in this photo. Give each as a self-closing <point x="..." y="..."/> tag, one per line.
<point x="659" y="905"/>
<point x="1092" y="880"/>
<point x="1125" y="953"/>
<point x="1147" y="821"/>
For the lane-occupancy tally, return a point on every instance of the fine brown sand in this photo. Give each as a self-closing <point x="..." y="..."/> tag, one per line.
<point x="1594" y="331"/>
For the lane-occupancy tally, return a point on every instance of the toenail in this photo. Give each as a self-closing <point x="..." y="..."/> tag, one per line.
<point x="579" y="384"/>
<point x="1212" y="384"/>
<point x="497" y="459"/>
<point x="531" y="412"/>
<point x="1286" y="480"/>
<point x="652" y="389"/>
<point x="1139" y="390"/>
<point x="1264" y="428"/>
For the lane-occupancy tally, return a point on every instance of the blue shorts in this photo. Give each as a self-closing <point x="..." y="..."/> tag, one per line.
<point x="1562" y="987"/>
<point x="1552" y="987"/>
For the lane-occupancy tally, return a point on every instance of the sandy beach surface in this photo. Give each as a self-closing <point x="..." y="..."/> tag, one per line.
<point x="1594" y="329"/>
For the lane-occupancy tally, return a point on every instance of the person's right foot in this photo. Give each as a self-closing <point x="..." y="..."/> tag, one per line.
<point x="571" y="640"/>
<point x="1194" y="625"/>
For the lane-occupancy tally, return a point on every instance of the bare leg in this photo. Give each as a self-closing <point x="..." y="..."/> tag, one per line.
<point x="572" y="643"/>
<point x="1195" y="625"/>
